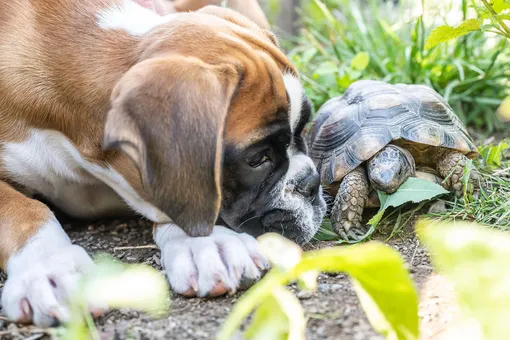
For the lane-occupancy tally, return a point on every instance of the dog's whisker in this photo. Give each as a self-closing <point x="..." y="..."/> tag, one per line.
<point x="247" y="220"/>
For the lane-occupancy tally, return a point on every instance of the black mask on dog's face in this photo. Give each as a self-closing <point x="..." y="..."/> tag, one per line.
<point x="272" y="185"/>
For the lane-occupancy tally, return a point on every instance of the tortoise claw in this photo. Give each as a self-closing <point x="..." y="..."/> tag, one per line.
<point x="357" y="233"/>
<point x="341" y="232"/>
<point x="353" y="234"/>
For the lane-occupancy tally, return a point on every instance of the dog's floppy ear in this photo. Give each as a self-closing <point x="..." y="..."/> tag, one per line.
<point x="168" y="115"/>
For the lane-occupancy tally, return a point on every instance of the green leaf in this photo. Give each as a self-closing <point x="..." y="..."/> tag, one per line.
<point x="385" y="288"/>
<point x="344" y="81"/>
<point x="466" y="176"/>
<point x="413" y="190"/>
<point x="360" y="61"/>
<point x="500" y="5"/>
<point x="444" y="33"/>
<point x="280" y="316"/>
<point x="281" y="252"/>
<point x="504" y="16"/>
<point x="374" y="221"/>
<point x="327" y="67"/>
<point x="308" y="55"/>
<point x="325" y="11"/>
<point x="114" y="284"/>
<point x="124" y="286"/>
<point x="492" y="155"/>
<point x="475" y="260"/>
<point x="326" y="232"/>
<point x="488" y="27"/>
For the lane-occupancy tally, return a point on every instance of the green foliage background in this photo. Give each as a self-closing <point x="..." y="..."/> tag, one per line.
<point x="341" y="42"/>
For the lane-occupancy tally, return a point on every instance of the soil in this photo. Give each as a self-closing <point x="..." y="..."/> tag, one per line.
<point x="333" y="311"/>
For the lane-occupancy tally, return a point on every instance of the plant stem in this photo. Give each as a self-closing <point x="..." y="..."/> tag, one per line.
<point x="494" y="57"/>
<point x="464" y="18"/>
<point x="498" y="32"/>
<point x="495" y="16"/>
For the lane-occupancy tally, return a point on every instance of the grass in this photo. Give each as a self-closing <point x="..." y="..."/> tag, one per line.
<point x="340" y="42"/>
<point x="493" y="209"/>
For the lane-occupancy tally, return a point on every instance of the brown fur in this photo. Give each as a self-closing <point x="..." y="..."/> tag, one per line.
<point x="249" y="8"/>
<point x="157" y="144"/>
<point x="19" y="216"/>
<point x="52" y="79"/>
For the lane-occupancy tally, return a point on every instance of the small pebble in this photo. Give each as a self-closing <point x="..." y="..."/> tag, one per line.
<point x="437" y="207"/>
<point x="202" y="334"/>
<point x="321" y="330"/>
<point x="304" y="295"/>
<point x="337" y="286"/>
<point x="324" y="287"/>
<point x="156" y="259"/>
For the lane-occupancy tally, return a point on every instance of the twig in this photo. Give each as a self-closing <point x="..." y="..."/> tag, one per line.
<point x="149" y="246"/>
<point x="3" y="318"/>
<point x="34" y="331"/>
<point x="414" y="253"/>
<point x="35" y="336"/>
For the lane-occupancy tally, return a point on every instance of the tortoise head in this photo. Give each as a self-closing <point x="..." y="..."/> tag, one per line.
<point x="389" y="168"/>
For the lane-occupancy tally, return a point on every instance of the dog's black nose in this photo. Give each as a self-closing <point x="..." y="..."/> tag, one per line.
<point x="309" y="185"/>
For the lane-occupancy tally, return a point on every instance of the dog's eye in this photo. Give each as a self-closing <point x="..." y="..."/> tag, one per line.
<point x="258" y="159"/>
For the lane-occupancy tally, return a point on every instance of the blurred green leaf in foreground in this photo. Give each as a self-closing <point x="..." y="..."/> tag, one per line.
<point x="475" y="259"/>
<point x="116" y="285"/>
<point x="382" y="283"/>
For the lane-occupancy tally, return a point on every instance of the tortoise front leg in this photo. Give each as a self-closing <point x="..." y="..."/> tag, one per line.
<point x="350" y="200"/>
<point x="450" y="165"/>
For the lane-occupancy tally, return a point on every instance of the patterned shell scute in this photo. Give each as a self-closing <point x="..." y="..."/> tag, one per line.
<point x="350" y="129"/>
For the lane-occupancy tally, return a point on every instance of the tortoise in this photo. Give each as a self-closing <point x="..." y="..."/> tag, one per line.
<point x="376" y="136"/>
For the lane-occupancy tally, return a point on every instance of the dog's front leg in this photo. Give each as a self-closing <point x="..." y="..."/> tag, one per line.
<point x="42" y="265"/>
<point x="208" y="266"/>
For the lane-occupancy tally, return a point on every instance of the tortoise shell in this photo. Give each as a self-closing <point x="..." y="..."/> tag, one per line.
<point x="350" y="129"/>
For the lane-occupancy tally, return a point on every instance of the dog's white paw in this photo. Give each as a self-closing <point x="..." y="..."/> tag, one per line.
<point x="39" y="292"/>
<point x="209" y="266"/>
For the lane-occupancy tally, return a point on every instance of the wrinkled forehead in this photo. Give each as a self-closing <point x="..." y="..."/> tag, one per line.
<point x="278" y="106"/>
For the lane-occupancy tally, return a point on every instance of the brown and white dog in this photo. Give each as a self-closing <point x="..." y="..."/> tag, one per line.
<point x="192" y="120"/>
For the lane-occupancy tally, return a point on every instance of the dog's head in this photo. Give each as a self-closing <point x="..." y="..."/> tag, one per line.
<point x="212" y="115"/>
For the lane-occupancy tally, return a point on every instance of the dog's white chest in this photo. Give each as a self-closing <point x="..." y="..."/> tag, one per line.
<point x="48" y="163"/>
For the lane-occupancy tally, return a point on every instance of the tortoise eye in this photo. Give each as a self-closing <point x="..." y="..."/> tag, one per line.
<point x="258" y="159"/>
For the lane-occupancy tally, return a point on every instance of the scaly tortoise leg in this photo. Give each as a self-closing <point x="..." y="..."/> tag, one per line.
<point x="350" y="200"/>
<point x="450" y="165"/>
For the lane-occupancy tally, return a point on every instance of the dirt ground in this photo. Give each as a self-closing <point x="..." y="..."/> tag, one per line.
<point x="333" y="312"/>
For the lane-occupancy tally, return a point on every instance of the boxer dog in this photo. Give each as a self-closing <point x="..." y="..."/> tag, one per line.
<point x="192" y="120"/>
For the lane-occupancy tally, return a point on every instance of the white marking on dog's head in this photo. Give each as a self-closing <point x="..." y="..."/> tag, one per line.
<point x="295" y="93"/>
<point x="299" y="162"/>
<point x="130" y="17"/>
